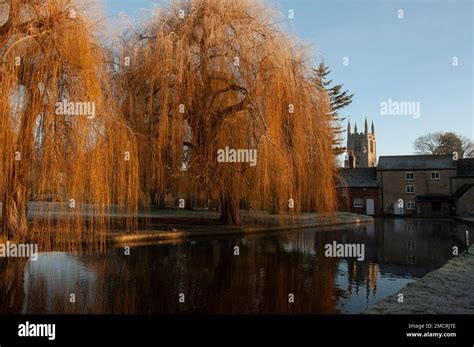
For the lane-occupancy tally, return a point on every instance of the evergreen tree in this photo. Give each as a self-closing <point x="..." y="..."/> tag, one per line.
<point x="339" y="99"/>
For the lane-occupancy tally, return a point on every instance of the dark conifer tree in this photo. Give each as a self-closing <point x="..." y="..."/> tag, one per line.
<point x="339" y="99"/>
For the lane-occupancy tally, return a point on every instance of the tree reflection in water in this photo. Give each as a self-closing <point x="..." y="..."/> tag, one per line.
<point x="214" y="280"/>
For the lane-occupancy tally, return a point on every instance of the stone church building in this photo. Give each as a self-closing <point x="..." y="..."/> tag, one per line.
<point x="361" y="147"/>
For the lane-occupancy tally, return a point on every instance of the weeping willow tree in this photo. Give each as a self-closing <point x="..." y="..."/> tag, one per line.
<point x="65" y="148"/>
<point x="207" y="75"/>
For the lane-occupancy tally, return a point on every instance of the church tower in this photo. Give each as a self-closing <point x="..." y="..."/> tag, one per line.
<point x="361" y="147"/>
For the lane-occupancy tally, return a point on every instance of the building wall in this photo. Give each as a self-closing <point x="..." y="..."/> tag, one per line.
<point x="465" y="204"/>
<point x="347" y="202"/>
<point x="427" y="209"/>
<point x="393" y="186"/>
<point x="458" y="182"/>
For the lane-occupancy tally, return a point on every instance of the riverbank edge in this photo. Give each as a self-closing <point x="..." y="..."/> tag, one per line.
<point x="467" y="220"/>
<point x="115" y="238"/>
<point x="447" y="290"/>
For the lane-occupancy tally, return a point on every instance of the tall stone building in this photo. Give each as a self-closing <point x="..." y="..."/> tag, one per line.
<point x="361" y="147"/>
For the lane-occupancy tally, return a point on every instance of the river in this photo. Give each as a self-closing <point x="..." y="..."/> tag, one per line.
<point x="277" y="273"/>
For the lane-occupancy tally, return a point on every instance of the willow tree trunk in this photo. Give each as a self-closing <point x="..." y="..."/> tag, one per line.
<point x="229" y="206"/>
<point x="14" y="210"/>
<point x="153" y="196"/>
<point x="12" y="291"/>
<point x="158" y="198"/>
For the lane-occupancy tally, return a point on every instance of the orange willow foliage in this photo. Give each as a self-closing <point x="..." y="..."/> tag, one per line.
<point x="214" y="73"/>
<point x="204" y="75"/>
<point x="48" y="54"/>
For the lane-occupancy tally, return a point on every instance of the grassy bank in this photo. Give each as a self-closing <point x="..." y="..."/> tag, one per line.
<point x="447" y="290"/>
<point x="155" y="224"/>
<point x="187" y="224"/>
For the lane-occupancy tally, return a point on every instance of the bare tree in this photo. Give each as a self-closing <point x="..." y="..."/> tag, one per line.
<point x="440" y="143"/>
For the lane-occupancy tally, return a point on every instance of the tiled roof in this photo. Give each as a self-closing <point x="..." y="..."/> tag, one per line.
<point x="359" y="177"/>
<point x="415" y="162"/>
<point x="465" y="167"/>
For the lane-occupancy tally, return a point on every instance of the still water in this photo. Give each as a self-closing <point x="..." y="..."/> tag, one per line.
<point x="214" y="280"/>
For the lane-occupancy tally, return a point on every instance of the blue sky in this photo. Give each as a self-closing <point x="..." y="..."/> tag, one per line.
<point x="409" y="59"/>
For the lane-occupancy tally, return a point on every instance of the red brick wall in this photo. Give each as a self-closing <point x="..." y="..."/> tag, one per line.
<point x="347" y="203"/>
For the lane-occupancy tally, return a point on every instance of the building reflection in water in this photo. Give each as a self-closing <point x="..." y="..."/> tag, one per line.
<point x="214" y="280"/>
